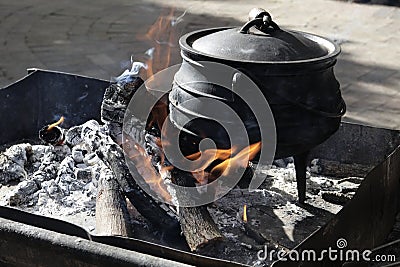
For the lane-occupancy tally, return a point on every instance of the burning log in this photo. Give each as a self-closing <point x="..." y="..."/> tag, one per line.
<point x="52" y="134"/>
<point x="115" y="102"/>
<point x="113" y="157"/>
<point x="197" y="225"/>
<point x="112" y="216"/>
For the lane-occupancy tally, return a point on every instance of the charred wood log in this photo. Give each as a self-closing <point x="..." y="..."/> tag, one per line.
<point x="339" y="169"/>
<point x="112" y="218"/>
<point x="113" y="156"/>
<point x="115" y="103"/>
<point x="337" y="198"/>
<point x="197" y="225"/>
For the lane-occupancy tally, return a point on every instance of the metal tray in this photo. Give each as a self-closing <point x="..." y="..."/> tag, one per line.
<point x="32" y="240"/>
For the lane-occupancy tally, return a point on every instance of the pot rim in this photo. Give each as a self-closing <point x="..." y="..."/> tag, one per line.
<point x="185" y="42"/>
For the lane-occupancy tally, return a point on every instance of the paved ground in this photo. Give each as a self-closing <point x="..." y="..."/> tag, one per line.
<point x="97" y="38"/>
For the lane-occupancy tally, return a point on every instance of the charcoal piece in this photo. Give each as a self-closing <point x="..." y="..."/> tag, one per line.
<point x="46" y="172"/>
<point x="112" y="218"/>
<point x="336" y="197"/>
<point x="77" y="154"/>
<point x="116" y="99"/>
<point x="73" y="136"/>
<point x="53" y="136"/>
<point x="61" y="151"/>
<point x="51" y="188"/>
<point x="66" y="179"/>
<point x="12" y="163"/>
<point x="22" y="193"/>
<point x="10" y="171"/>
<point x="38" y="152"/>
<point x="83" y="174"/>
<point x="339" y="169"/>
<point x="42" y="197"/>
<point x="91" y="159"/>
<point x="45" y="163"/>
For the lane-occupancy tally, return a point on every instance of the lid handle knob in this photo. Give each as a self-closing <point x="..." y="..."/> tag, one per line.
<point x="260" y="19"/>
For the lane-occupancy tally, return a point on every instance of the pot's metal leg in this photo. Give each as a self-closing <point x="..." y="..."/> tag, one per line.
<point x="300" y="163"/>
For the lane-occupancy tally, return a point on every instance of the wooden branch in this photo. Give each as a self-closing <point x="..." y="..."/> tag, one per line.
<point x="113" y="157"/>
<point x="197" y="225"/>
<point x="112" y="218"/>
<point x="145" y="204"/>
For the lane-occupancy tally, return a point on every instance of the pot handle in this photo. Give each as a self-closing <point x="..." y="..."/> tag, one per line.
<point x="260" y="19"/>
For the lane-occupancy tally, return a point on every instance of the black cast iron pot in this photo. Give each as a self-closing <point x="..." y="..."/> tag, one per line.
<point x="294" y="71"/>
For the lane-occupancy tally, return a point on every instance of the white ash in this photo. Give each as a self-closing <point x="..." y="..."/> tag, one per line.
<point x="54" y="181"/>
<point x="274" y="214"/>
<point x="78" y="153"/>
<point x="12" y="163"/>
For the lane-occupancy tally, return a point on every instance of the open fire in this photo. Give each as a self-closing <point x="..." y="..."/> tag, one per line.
<point x="80" y="174"/>
<point x="72" y="179"/>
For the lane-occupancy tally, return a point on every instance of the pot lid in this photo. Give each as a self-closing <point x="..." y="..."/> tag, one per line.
<point x="261" y="39"/>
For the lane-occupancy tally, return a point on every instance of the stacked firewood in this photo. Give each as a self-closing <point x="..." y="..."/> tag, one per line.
<point x="196" y="223"/>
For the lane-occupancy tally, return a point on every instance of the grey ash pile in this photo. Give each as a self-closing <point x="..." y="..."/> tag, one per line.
<point x="52" y="180"/>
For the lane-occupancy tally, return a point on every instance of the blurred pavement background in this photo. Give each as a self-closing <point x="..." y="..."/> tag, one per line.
<point x="97" y="38"/>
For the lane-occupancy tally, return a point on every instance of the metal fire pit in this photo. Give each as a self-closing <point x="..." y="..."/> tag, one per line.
<point x="32" y="240"/>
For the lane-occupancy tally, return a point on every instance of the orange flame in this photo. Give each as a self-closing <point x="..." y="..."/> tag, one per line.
<point x="239" y="160"/>
<point x="245" y="213"/>
<point x="158" y="114"/>
<point x="228" y="162"/>
<point x="144" y="166"/>
<point x="51" y="126"/>
<point x="163" y="37"/>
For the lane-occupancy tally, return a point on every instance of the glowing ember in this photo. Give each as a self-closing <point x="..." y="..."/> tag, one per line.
<point x="245" y="213"/>
<point x="51" y="126"/>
